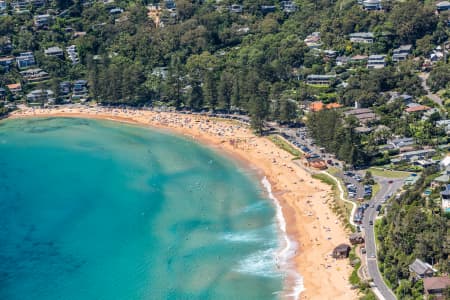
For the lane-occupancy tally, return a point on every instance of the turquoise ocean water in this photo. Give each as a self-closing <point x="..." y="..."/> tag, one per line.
<point x="100" y="210"/>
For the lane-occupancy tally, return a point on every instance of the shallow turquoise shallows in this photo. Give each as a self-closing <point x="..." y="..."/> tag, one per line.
<point x="101" y="210"/>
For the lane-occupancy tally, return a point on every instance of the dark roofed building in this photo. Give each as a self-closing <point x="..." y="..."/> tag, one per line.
<point x="362" y="37"/>
<point x="372" y="5"/>
<point x="419" y="269"/>
<point x="401" y="53"/>
<point x="435" y="286"/>
<point x="265" y="9"/>
<point x="443" y="6"/>
<point x="341" y="251"/>
<point x="364" y="115"/>
<point x="376" y="61"/>
<point x="320" y="79"/>
<point x="2" y="93"/>
<point x="445" y="194"/>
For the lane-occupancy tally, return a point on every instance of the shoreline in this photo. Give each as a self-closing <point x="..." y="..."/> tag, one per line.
<point x="302" y="202"/>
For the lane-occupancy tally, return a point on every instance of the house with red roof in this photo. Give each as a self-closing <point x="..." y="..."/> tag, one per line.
<point x="416" y="108"/>
<point x="435" y="287"/>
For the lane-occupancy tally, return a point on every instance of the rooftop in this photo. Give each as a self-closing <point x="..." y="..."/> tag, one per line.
<point x="436" y="283"/>
<point x="319" y="105"/>
<point x="443" y="4"/>
<point x="419" y="267"/>
<point x="14" y="86"/>
<point x="361" y="34"/>
<point x="417" y="108"/>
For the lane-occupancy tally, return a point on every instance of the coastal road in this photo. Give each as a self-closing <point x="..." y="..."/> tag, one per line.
<point x="388" y="186"/>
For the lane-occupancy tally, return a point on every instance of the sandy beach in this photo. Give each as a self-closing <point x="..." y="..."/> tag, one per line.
<point x="305" y="201"/>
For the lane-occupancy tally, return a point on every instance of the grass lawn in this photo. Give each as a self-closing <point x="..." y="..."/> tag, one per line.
<point x="375" y="189"/>
<point x="333" y="170"/>
<point x="283" y="144"/>
<point x="341" y="208"/>
<point x="388" y="173"/>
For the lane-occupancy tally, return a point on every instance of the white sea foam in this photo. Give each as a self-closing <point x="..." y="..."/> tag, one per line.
<point x="243" y="237"/>
<point x="288" y="247"/>
<point x="255" y="207"/>
<point x="260" y="263"/>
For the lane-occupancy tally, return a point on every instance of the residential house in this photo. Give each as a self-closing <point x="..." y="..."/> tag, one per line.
<point x="6" y="62"/>
<point x="320" y="79"/>
<point x="419" y="270"/>
<point x="116" y="11"/>
<point x="319" y="105"/>
<point x="406" y="98"/>
<point x="376" y="61"/>
<point x="442" y="6"/>
<point x="289" y="6"/>
<point x="80" y="89"/>
<point x="42" y="21"/>
<point x="161" y="72"/>
<point x="416" y="108"/>
<point x="445" y="163"/>
<point x="372" y="5"/>
<point x="72" y="54"/>
<point x="313" y="40"/>
<point x="417" y="154"/>
<point x="425" y="163"/>
<point x="435" y="287"/>
<point x="3" y="6"/>
<point x="236" y="8"/>
<point x="436" y="55"/>
<point x="25" y="60"/>
<point x="2" y="94"/>
<point x="401" y="142"/>
<point x="54" y="51"/>
<point x="330" y="53"/>
<point x="170" y="4"/>
<point x="265" y="9"/>
<point x="20" y="6"/>
<point x="401" y="53"/>
<point x="445" y="124"/>
<point x="428" y="113"/>
<point x="359" y="59"/>
<point x="14" y="88"/>
<point x="64" y="88"/>
<point x="40" y="96"/>
<point x="364" y="115"/>
<point x="38" y="3"/>
<point x="34" y="75"/>
<point x="341" y="251"/>
<point x="441" y="180"/>
<point x="445" y="198"/>
<point x="362" y="37"/>
<point x="342" y="60"/>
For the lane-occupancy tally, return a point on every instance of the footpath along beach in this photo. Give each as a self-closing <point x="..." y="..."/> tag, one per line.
<point x="310" y="224"/>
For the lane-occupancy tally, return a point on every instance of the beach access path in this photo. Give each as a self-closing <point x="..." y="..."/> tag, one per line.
<point x="310" y="222"/>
